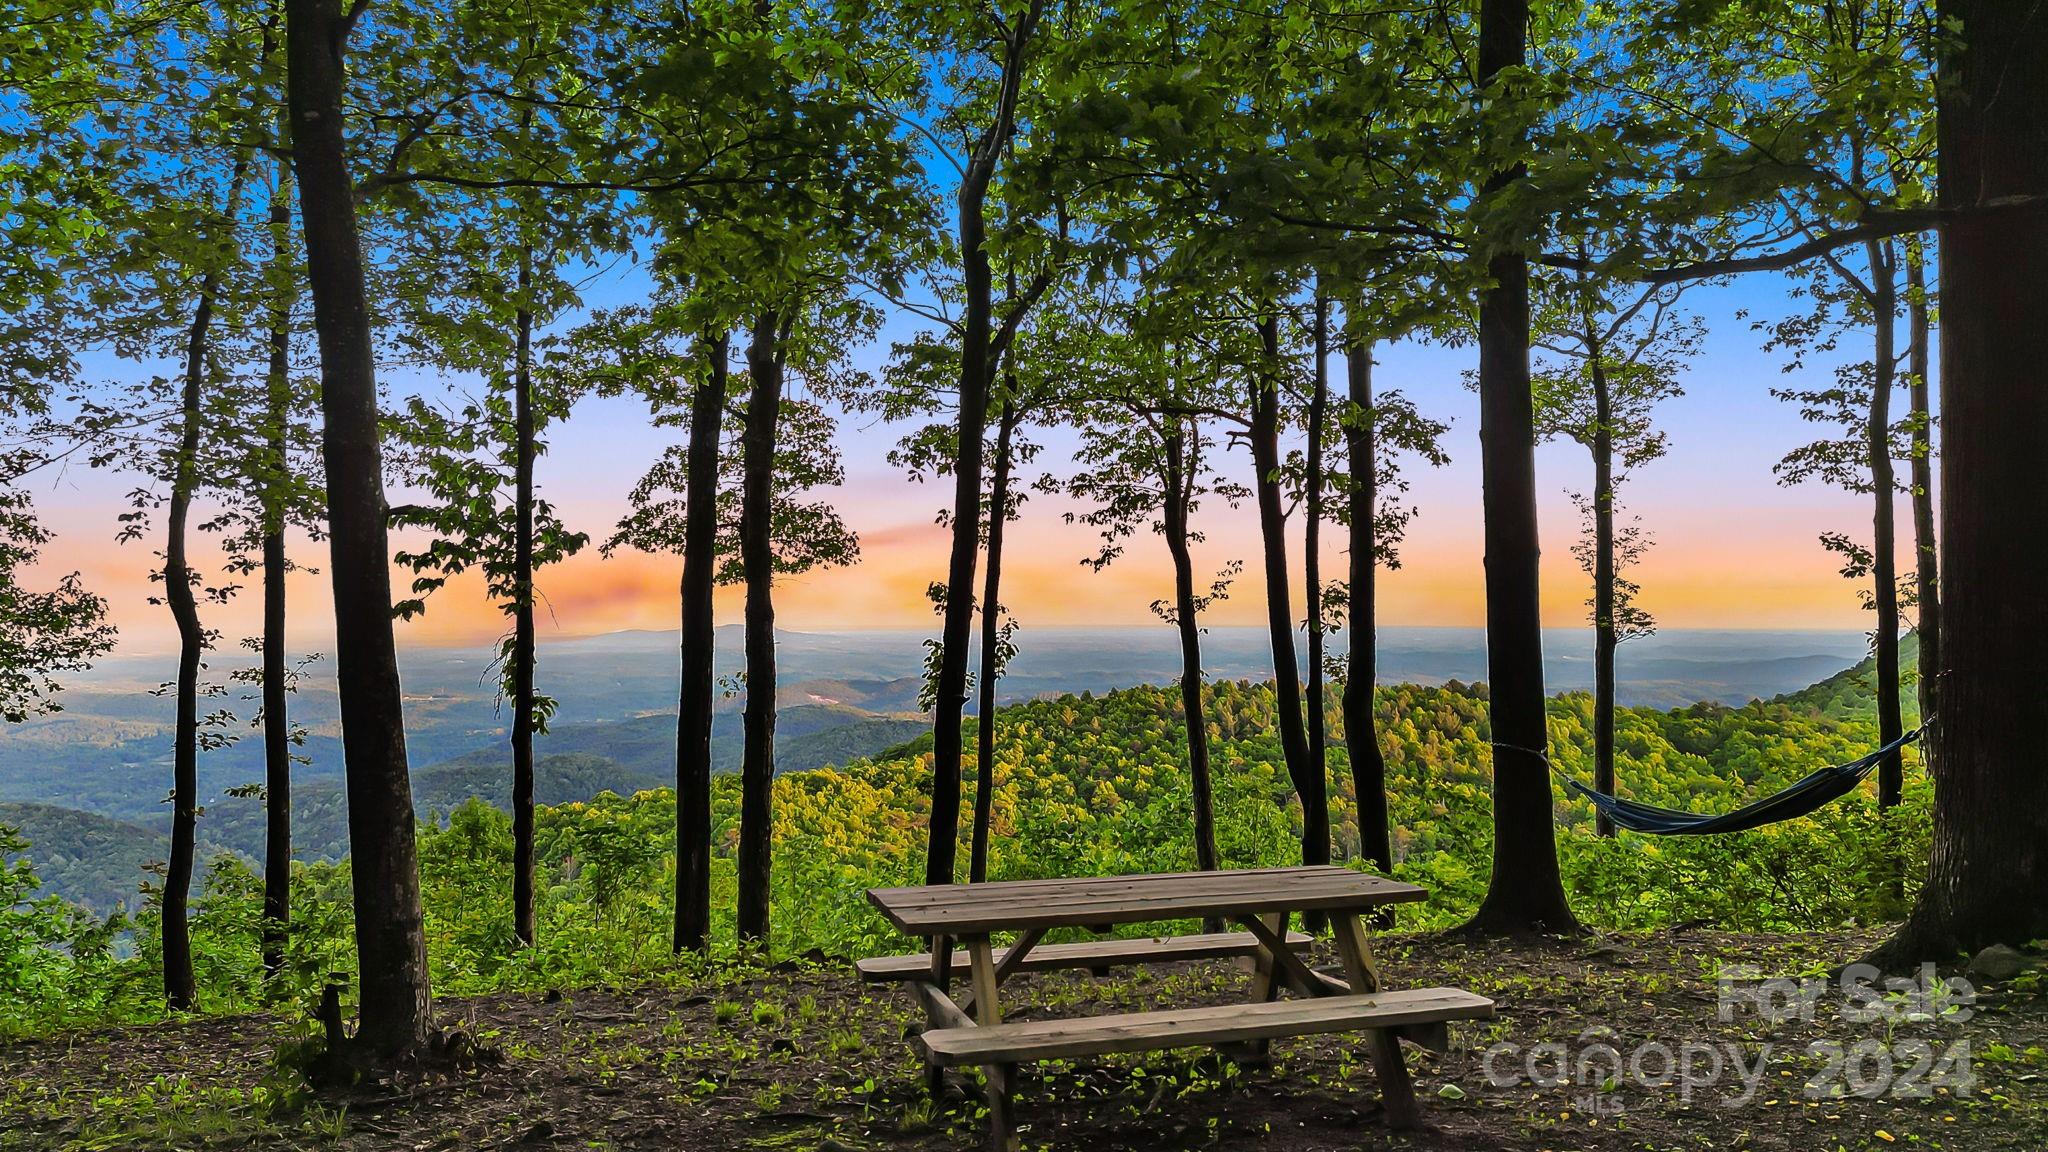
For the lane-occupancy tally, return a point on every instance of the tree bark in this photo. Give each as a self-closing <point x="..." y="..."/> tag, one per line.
<point x="1606" y="638"/>
<point x="179" y="988"/>
<point x="1884" y="548"/>
<point x="1525" y="893"/>
<point x="1988" y="872"/>
<point x="1361" y="727"/>
<point x="1180" y="475"/>
<point x="991" y="636"/>
<point x="757" y="555"/>
<point x="395" y="1001"/>
<point x="693" y="706"/>
<point x="1926" y="566"/>
<point x="1287" y="702"/>
<point x="521" y="657"/>
<point x="277" y="729"/>
<point x="1312" y="546"/>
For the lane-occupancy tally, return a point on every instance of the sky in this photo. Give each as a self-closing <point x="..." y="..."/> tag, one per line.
<point x="1732" y="548"/>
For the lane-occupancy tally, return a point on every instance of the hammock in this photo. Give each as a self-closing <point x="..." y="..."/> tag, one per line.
<point x="1807" y="795"/>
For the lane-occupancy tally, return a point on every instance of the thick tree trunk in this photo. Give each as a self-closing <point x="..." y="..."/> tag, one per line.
<point x="1287" y="703"/>
<point x="1926" y="566"/>
<point x="277" y="728"/>
<point x="1178" y="494"/>
<point x="1312" y="547"/>
<point x="521" y="658"/>
<point x="1605" y="634"/>
<point x="1361" y="727"/>
<point x="1525" y="893"/>
<point x="1988" y="874"/>
<point x="1884" y="548"/>
<point x="395" y="1000"/>
<point x="693" y="706"/>
<point x="757" y="555"/>
<point x="177" y="577"/>
<point x="991" y="636"/>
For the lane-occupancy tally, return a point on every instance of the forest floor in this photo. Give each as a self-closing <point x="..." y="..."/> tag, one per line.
<point x="1587" y="1053"/>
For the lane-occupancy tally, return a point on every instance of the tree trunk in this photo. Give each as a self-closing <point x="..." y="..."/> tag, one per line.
<point x="1361" y="727"/>
<point x="951" y="691"/>
<point x="1884" y="549"/>
<point x="1927" y="568"/>
<point x="1525" y="893"/>
<point x="277" y="728"/>
<point x="1178" y="493"/>
<point x="1287" y="703"/>
<point x="693" y="706"/>
<point x="1311" y="549"/>
<point x="1605" y="636"/>
<point x="179" y="988"/>
<point x="1988" y="874"/>
<point x="991" y="636"/>
<point x="757" y="555"/>
<point x="395" y="1001"/>
<point x="950" y="695"/>
<point x="976" y="336"/>
<point x="521" y="657"/>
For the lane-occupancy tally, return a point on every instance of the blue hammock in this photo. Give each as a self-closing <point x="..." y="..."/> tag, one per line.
<point x="1808" y="794"/>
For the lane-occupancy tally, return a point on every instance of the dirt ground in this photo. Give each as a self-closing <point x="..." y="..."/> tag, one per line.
<point x="1589" y="1052"/>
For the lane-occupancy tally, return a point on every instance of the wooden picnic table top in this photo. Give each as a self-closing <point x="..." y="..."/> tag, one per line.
<point x="974" y="909"/>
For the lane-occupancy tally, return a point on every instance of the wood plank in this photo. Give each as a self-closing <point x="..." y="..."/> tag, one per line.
<point x="1190" y="1027"/>
<point x="1356" y="883"/>
<point x="939" y="1008"/>
<point x="974" y="908"/>
<point x="1397" y="1088"/>
<point x="1356" y="949"/>
<point x="987" y="1008"/>
<point x="1086" y="954"/>
<point x="1287" y="964"/>
<point x="1234" y="879"/>
<point x="1012" y="956"/>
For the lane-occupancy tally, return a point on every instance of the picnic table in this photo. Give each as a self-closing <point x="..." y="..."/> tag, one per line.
<point x="970" y="1031"/>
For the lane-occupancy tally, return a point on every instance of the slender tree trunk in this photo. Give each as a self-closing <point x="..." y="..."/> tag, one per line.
<point x="1311" y="550"/>
<point x="1180" y="469"/>
<point x="177" y="577"/>
<point x="1265" y="445"/>
<point x="991" y="636"/>
<point x="1884" y="548"/>
<point x="395" y="1001"/>
<point x="693" y="707"/>
<point x="521" y="657"/>
<point x="976" y="337"/>
<point x="1361" y="727"/>
<point x="757" y="554"/>
<point x="1606" y="638"/>
<point x="1988" y="873"/>
<point x="1927" y="567"/>
<point x="950" y="696"/>
<point x="1525" y="893"/>
<point x="277" y="728"/>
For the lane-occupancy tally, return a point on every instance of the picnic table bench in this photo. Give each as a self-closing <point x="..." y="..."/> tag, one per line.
<point x="970" y="1031"/>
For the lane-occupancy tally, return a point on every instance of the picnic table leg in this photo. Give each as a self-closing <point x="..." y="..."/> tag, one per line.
<point x="988" y="1011"/>
<point x="1265" y="986"/>
<point x="942" y="976"/>
<point x="1397" y="1091"/>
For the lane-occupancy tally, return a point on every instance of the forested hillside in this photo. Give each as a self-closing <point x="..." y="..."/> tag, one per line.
<point x="1090" y="785"/>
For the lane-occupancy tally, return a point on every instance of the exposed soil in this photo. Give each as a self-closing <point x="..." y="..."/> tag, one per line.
<point x="810" y="1059"/>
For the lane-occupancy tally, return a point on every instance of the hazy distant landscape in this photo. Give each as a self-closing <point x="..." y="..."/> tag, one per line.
<point x="94" y="776"/>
